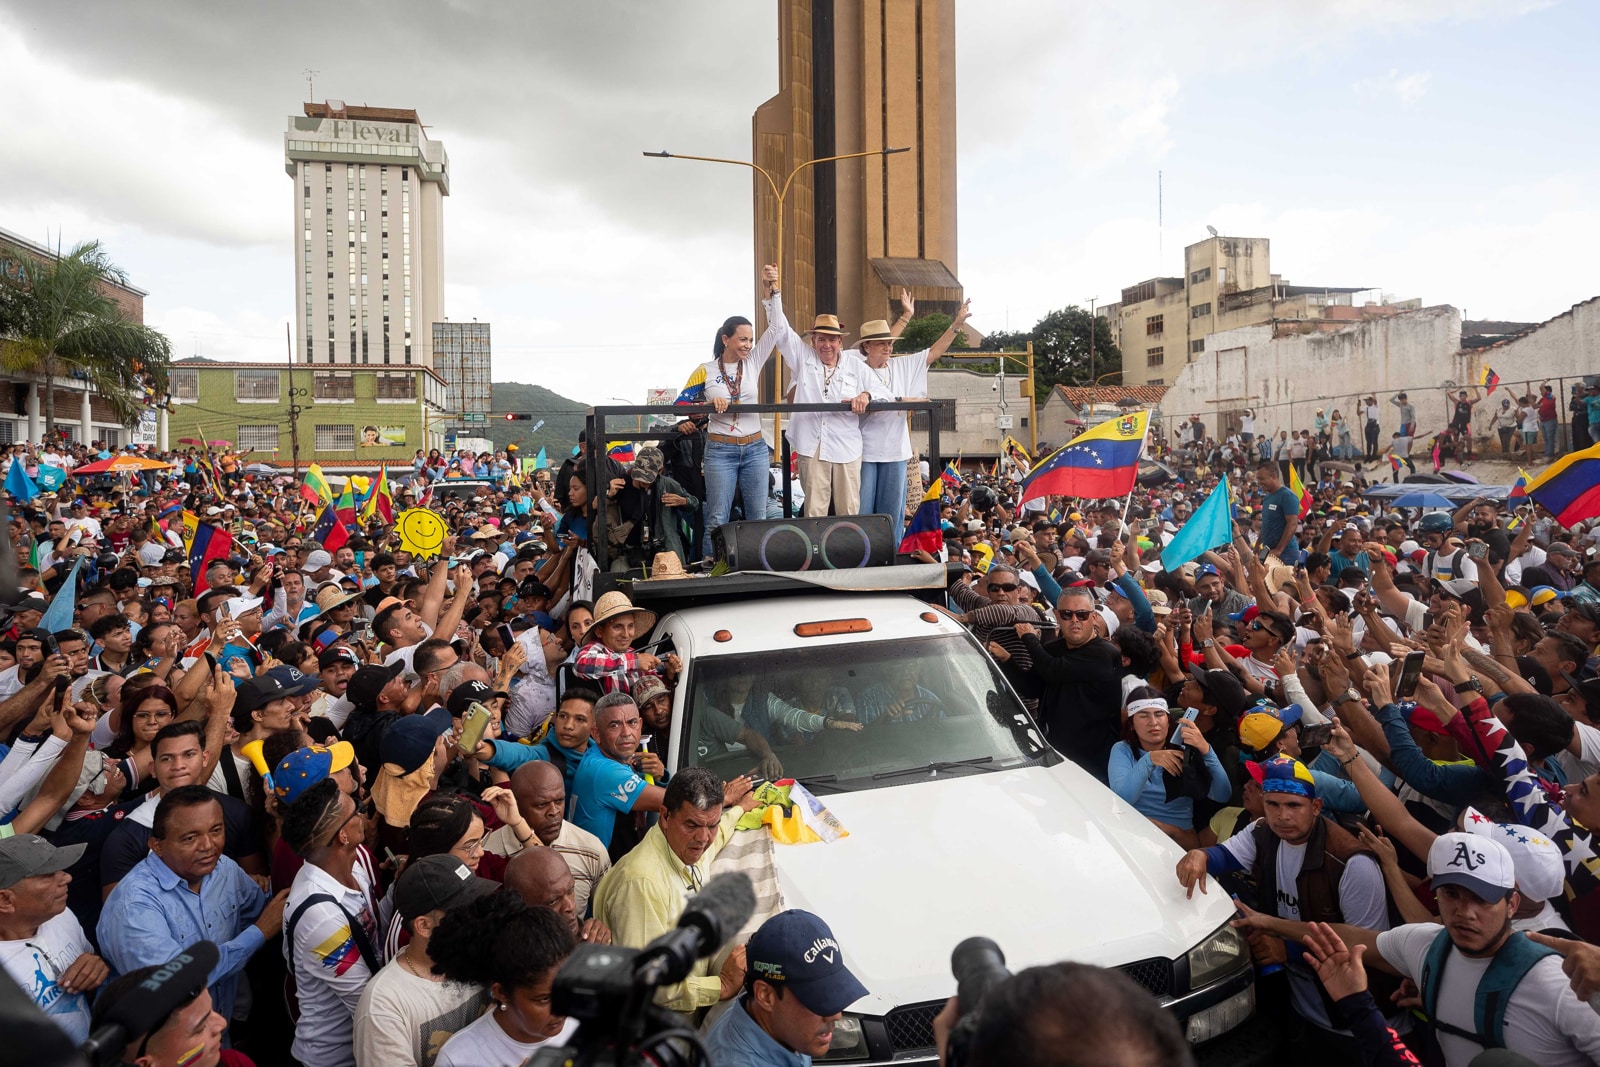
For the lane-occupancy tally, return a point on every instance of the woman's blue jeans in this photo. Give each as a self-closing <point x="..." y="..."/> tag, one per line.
<point x="883" y="492"/>
<point x="729" y="467"/>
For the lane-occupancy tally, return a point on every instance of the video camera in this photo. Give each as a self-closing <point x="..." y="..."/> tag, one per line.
<point x="978" y="966"/>
<point x="610" y="990"/>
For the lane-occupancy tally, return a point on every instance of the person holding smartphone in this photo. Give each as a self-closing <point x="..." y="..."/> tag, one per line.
<point x="1147" y="765"/>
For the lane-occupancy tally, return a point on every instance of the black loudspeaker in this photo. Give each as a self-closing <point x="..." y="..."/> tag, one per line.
<point x="835" y="543"/>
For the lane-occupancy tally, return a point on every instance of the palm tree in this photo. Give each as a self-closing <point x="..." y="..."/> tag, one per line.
<point x="57" y="317"/>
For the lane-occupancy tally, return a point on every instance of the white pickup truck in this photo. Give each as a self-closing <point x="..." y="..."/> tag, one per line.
<point x="961" y="819"/>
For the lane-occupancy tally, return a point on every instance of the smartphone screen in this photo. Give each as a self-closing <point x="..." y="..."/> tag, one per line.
<point x="508" y="636"/>
<point x="1410" y="673"/>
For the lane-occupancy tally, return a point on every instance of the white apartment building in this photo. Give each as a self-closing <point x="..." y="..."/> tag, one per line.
<point x="369" y="249"/>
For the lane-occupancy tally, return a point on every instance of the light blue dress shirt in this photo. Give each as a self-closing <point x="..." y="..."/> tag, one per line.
<point x="152" y="915"/>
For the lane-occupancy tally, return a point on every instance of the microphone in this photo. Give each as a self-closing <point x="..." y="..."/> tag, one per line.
<point x="712" y="916"/>
<point x="127" y="1010"/>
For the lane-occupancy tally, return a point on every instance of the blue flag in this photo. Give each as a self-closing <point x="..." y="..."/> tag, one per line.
<point x="18" y="484"/>
<point x="51" y="478"/>
<point x="1208" y="527"/>
<point x="58" y="616"/>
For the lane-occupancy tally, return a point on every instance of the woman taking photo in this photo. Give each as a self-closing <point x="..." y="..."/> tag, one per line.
<point x="1146" y="769"/>
<point x="500" y="943"/>
<point x="738" y="452"/>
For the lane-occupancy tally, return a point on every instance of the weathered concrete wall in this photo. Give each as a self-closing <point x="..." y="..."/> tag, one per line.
<point x="1285" y="379"/>
<point x="1567" y="346"/>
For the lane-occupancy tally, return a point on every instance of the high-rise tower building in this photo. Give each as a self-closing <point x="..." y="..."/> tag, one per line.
<point x="855" y="76"/>
<point x="369" y="235"/>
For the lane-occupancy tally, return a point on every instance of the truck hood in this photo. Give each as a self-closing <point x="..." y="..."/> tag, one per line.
<point x="1047" y="862"/>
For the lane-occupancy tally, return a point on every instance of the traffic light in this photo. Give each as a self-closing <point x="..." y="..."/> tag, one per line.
<point x="512" y="416"/>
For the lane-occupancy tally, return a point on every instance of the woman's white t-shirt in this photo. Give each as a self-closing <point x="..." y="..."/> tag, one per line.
<point x="885" y="435"/>
<point x="484" y="1044"/>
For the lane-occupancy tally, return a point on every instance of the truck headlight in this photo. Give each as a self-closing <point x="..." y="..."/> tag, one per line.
<point x="1225" y="950"/>
<point x="849" y="1043"/>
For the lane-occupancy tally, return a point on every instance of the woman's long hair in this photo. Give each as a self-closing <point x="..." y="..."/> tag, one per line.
<point x="727" y="330"/>
<point x="132" y="697"/>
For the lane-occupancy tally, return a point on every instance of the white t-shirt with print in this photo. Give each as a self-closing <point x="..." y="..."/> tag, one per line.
<point x="1545" y="1021"/>
<point x="37" y="964"/>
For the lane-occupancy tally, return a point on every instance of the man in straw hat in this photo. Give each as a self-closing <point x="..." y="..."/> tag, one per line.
<point x="828" y="443"/>
<point x="885" y="436"/>
<point x="608" y="659"/>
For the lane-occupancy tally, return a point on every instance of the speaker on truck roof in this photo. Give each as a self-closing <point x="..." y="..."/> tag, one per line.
<point x="834" y="543"/>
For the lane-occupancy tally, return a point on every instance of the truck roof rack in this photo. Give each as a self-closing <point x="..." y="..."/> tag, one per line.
<point x="925" y="581"/>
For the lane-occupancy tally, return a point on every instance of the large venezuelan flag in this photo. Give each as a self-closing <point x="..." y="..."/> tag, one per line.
<point x="1570" y="487"/>
<point x="209" y="543"/>
<point x="1100" y="462"/>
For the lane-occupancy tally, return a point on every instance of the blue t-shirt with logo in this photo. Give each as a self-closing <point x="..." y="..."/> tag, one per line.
<point x="603" y="794"/>
<point x="1275" y="512"/>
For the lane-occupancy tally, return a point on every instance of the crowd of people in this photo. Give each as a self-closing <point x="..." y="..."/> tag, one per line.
<point x="392" y="794"/>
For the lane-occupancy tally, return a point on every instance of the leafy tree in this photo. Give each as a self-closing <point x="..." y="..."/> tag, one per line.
<point x="1061" y="349"/>
<point x="57" y="318"/>
<point x="922" y="331"/>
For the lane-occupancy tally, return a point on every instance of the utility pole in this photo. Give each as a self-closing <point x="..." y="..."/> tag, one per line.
<point x="1093" y="381"/>
<point x="294" y="406"/>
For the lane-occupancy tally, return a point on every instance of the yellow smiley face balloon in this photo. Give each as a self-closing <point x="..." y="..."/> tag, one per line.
<point x="421" y="532"/>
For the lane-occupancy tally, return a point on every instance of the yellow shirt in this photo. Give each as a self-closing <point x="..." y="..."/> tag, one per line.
<point x="643" y="896"/>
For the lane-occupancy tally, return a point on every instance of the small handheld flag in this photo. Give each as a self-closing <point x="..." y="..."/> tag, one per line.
<point x="924" y="532"/>
<point x="1488" y="379"/>
<point x="1520" y="487"/>
<point x="951" y="474"/>
<point x="315" y="489"/>
<point x="1297" y="487"/>
<point x="621" y="451"/>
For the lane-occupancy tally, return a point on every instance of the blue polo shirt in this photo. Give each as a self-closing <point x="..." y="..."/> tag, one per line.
<point x="603" y="794"/>
<point x="735" y="1038"/>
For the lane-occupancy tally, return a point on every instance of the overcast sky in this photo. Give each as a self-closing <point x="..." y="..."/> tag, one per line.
<point x="1439" y="149"/>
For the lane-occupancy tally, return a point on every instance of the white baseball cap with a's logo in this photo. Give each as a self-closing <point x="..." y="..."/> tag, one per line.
<point x="1478" y="864"/>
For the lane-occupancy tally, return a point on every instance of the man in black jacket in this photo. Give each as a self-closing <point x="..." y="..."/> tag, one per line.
<point x="1081" y="709"/>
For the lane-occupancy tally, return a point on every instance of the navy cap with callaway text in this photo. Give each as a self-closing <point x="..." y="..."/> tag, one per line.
<point x="796" y="950"/>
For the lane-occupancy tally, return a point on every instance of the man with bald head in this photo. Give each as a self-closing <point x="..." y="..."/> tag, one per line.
<point x="543" y="880"/>
<point x="541" y="796"/>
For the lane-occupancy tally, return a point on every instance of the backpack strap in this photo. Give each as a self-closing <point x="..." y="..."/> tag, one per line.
<point x="1433" y="973"/>
<point x="1510" y="966"/>
<point x="357" y="932"/>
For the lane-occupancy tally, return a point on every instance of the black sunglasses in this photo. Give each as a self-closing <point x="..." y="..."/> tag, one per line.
<point x="1003" y="588"/>
<point x="1081" y="614"/>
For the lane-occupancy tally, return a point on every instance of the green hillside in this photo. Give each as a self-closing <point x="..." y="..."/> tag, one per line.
<point x="563" y="419"/>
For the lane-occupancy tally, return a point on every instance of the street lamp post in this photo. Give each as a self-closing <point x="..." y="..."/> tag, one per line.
<point x="779" y="193"/>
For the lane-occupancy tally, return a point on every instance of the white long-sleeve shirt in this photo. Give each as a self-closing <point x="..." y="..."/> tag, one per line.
<point x="824" y="435"/>
<point x="721" y="377"/>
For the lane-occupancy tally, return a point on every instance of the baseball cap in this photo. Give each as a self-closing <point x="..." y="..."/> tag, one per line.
<point x="258" y="692"/>
<point x="305" y="767"/>
<point x="238" y="605"/>
<point x="438" y="882"/>
<point x="647" y="688"/>
<point x="1480" y="865"/>
<point x="1285" y="774"/>
<point x="337" y="654"/>
<point x="796" y="950"/>
<point x="1264" y="722"/>
<point x="368" y="682"/>
<point x="317" y="560"/>
<point x="1222" y="690"/>
<point x="465" y="694"/>
<point x="1535" y="859"/>
<point x="409" y="741"/>
<point x="26" y="855"/>
<point x="294" y="681"/>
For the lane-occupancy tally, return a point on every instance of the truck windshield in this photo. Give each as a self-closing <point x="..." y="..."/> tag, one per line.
<point x="838" y="715"/>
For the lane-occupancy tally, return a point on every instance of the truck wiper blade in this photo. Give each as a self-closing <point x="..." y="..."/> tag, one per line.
<point x="934" y="767"/>
<point x="818" y="779"/>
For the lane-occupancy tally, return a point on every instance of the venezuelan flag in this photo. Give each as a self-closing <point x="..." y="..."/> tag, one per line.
<point x="330" y="529"/>
<point x="338" y="953"/>
<point x="1014" y="449"/>
<point x="209" y="543"/>
<point x="925" y="532"/>
<point x="1394" y="462"/>
<point x="951" y="474"/>
<point x="1570" y="487"/>
<point x="1298" y="488"/>
<point x="1100" y="462"/>
<point x="694" y="390"/>
<point x="1519" y="489"/>
<point x="1488" y="379"/>
<point x="621" y="451"/>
